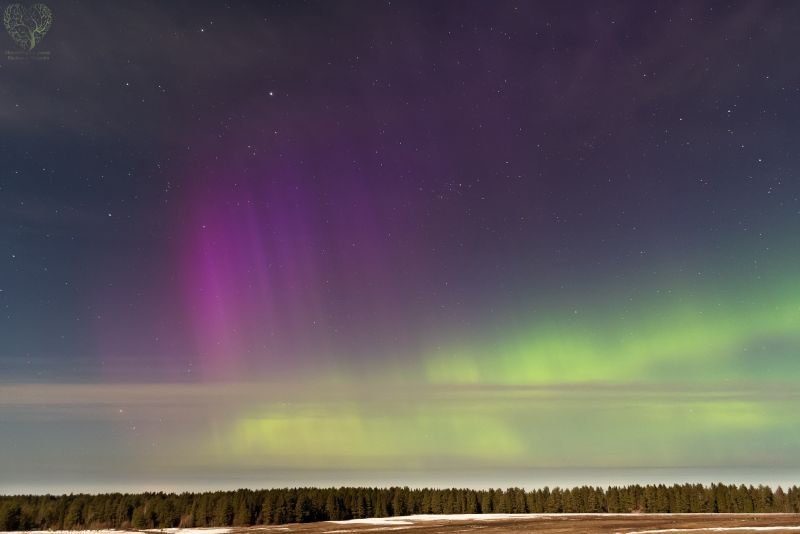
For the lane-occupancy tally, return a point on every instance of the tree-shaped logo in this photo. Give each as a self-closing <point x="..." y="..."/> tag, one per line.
<point x="27" y="25"/>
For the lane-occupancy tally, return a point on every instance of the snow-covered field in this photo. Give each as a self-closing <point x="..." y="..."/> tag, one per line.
<point x="716" y="529"/>
<point x="193" y="530"/>
<point x="408" y="522"/>
<point x="73" y="532"/>
<point x="154" y="531"/>
<point x="410" y="519"/>
<point x="579" y="523"/>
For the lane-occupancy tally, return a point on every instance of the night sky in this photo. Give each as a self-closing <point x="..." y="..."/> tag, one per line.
<point x="258" y="243"/>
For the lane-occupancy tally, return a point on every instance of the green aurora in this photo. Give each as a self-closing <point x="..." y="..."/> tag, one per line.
<point x="686" y="378"/>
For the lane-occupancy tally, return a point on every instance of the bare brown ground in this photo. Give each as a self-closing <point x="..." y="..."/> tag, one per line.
<point x="556" y="524"/>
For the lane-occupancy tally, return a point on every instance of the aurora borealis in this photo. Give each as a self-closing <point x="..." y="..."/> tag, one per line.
<point x="283" y="243"/>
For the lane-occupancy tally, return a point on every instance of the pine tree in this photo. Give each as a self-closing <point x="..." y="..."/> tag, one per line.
<point x="242" y="516"/>
<point x="332" y="508"/>
<point x="223" y="515"/>
<point x="303" y="508"/>
<point x="10" y="515"/>
<point x="74" y="517"/>
<point x="486" y="502"/>
<point x="399" y="502"/>
<point x="553" y="503"/>
<point x="779" y="501"/>
<point x="280" y="515"/>
<point x="139" y="521"/>
<point x="361" y="507"/>
<point x="471" y="506"/>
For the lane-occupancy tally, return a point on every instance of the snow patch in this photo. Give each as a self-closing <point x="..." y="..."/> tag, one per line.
<point x="149" y="531"/>
<point x="714" y="529"/>
<point x="402" y="520"/>
<point x="192" y="530"/>
<point x="106" y="531"/>
<point x="411" y="519"/>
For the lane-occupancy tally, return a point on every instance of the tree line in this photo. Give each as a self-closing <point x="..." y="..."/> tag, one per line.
<point x="246" y="507"/>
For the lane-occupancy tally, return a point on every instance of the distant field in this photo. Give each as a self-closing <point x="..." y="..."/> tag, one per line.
<point x="560" y="523"/>
<point x="491" y="523"/>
